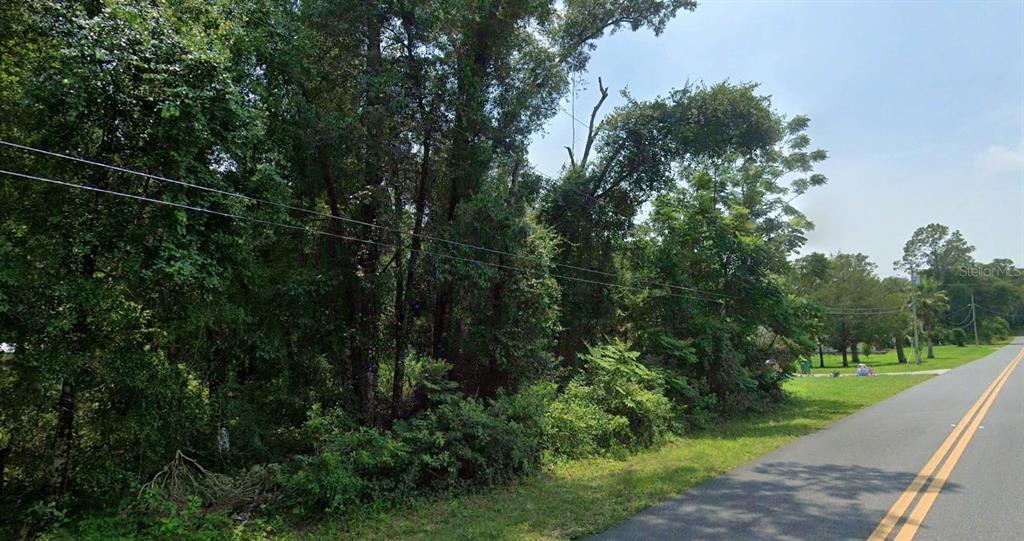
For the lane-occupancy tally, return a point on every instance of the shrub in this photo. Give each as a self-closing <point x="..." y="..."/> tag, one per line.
<point x="615" y="402"/>
<point x="456" y="443"/>
<point x="350" y="466"/>
<point x="578" y="426"/>
<point x="524" y="414"/>
<point x="695" y="403"/>
<point x="994" y="328"/>
<point x="958" y="337"/>
<point x="465" y="441"/>
<point x="190" y="523"/>
<point x="453" y="445"/>
<point x="629" y="389"/>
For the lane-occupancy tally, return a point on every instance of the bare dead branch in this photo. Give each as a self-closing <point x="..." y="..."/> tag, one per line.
<point x="591" y="128"/>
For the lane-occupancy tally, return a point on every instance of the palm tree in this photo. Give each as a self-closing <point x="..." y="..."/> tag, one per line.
<point x="932" y="303"/>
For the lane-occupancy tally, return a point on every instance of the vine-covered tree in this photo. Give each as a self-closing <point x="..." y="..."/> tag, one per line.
<point x="310" y="228"/>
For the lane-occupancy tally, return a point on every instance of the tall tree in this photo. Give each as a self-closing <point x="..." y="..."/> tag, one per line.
<point x="931" y="304"/>
<point x="933" y="249"/>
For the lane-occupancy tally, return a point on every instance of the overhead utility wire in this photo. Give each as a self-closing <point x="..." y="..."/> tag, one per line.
<point x="334" y="217"/>
<point x="863" y="310"/>
<point x="326" y="233"/>
<point x="578" y="121"/>
<point x="995" y="312"/>
<point x="968" y="319"/>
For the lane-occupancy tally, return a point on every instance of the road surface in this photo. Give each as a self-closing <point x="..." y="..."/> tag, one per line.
<point x="943" y="460"/>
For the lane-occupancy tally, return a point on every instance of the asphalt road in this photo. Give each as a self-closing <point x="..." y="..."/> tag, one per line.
<point x="840" y="482"/>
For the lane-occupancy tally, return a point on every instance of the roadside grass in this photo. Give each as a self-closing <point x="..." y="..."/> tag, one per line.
<point x="945" y="357"/>
<point x="581" y="497"/>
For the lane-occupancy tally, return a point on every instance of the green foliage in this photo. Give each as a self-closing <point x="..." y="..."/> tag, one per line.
<point x="994" y="329"/>
<point x="455" y="444"/>
<point x="406" y="351"/>
<point x="578" y="426"/>
<point x="189" y="523"/>
<point x="350" y="467"/>
<point x="958" y="337"/>
<point x="615" y="403"/>
<point x="933" y="249"/>
<point x="464" y="442"/>
<point x="583" y="496"/>
<point x="628" y="389"/>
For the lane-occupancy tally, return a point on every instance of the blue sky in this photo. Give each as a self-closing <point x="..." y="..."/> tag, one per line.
<point x="920" y="105"/>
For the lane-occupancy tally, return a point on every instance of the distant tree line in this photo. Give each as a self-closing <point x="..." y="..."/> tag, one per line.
<point x="858" y="308"/>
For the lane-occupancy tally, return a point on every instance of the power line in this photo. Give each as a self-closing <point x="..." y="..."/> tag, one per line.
<point x="953" y="311"/>
<point x="338" y="217"/>
<point x="861" y="308"/>
<point x="570" y="115"/>
<point x="968" y="319"/>
<point x="856" y="311"/>
<point x="995" y="312"/>
<point x="329" y="234"/>
<point x="862" y="314"/>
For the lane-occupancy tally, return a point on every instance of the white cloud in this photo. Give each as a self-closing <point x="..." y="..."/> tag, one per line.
<point x="997" y="159"/>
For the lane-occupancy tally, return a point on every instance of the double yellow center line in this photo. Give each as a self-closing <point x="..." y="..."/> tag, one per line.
<point x="967" y="426"/>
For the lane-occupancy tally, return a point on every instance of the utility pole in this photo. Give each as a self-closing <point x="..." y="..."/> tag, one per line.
<point x="974" y="321"/>
<point x="914" y="280"/>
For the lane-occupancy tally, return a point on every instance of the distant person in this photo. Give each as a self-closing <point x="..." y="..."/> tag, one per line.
<point x="863" y="370"/>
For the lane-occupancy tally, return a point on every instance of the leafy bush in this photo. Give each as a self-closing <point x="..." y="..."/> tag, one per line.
<point x="696" y="404"/>
<point x="456" y="443"/>
<point x="629" y="389"/>
<point x="994" y="328"/>
<point x="174" y="523"/>
<point x="350" y="466"/>
<point x="615" y="402"/>
<point x="958" y="337"/>
<point x="579" y="427"/>
<point x="464" y="441"/>
<point x="524" y="416"/>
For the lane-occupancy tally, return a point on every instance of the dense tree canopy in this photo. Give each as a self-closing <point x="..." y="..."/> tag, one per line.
<point x="312" y="228"/>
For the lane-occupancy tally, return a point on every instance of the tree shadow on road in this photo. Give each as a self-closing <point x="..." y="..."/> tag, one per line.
<point x="775" y="500"/>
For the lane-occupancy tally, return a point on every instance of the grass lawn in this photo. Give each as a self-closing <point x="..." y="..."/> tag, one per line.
<point x="587" y="496"/>
<point x="945" y="357"/>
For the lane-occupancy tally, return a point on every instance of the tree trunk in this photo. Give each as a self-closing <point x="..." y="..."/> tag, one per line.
<point x="404" y="307"/>
<point x="4" y="453"/>
<point x="368" y="302"/>
<point x="821" y="356"/>
<point x="900" y="355"/>
<point x="931" y="352"/>
<point x="341" y="283"/>
<point x="61" y="470"/>
<point x="398" y="374"/>
<point x="846" y="363"/>
<point x="440" y="321"/>
<point x="468" y="157"/>
<point x="855" y="350"/>
<point x="406" y="290"/>
<point x="495" y="377"/>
